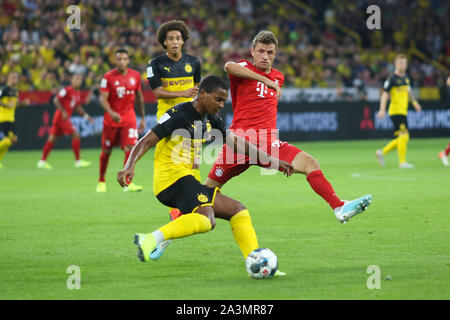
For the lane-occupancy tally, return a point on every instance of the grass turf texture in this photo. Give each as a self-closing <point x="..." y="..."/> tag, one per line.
<point x="53" y="219"/>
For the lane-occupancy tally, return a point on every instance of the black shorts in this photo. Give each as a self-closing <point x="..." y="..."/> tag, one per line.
<point x="8" y="128"/>
<point x="187" y="194"/>
<point x="400" y="123"/>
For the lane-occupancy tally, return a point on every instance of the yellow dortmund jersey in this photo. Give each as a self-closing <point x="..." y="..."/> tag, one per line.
<point x="398" y="89"/>
<point x="181" y="132"/>
<point x="173" y="75"/>
<point x="8" y="94"/>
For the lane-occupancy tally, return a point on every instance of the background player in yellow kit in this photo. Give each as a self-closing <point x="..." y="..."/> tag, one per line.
<point x="397" y="88"/>
<point x="9" y="99"/>
<point x="174" y="76"/>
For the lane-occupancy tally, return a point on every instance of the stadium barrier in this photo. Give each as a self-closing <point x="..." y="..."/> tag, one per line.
<point x="296" y="121"/>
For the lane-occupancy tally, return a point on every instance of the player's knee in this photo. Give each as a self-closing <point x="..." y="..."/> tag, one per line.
<point x="106" y="151"/>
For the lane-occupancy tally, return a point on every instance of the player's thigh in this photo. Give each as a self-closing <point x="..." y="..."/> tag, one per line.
<point x="128" y="135"/>
<point x="109" y="137"/>
<point x="226" y="166"/>
<point x="400" y="123"/>
<point x="226" y="207"/>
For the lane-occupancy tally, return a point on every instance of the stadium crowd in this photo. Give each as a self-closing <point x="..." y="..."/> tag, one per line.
<point x="314" y="51"/>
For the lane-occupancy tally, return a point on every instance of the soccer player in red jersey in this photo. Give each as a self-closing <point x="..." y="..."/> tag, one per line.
<point x="66" y="101"/>
<point x="119" y="89"/>
<point x="255" y="90"/>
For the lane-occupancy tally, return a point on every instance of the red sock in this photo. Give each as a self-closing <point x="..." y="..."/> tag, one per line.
<point x="447" y="150"/>
<point x="104" y="158"/>
<point x="323" y="188"/>
<point x="76" y="148"/>
<point x="47" y="148"/>
<point x="127" y="154"/>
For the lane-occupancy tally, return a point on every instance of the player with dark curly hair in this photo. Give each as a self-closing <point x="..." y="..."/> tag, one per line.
<point x="174" y="76"/>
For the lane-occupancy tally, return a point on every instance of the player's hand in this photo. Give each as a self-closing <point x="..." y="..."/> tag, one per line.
<point x="381" y="114"/>
<point x="286" y="167"/>
<point x="115" y="116"/>
<point x="26" y="102"/>
<point x="418" y="107"/>
<point x="141" y="127"/>
<point x="90" y="119"/>
<point x="125" y="176"/>
<point x="274" y="86"/>
<point x="191" y="93"/>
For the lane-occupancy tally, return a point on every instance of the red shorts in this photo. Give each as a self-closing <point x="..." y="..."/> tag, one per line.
<point x="123" y="136"/>
<point x="229" y="164"/>
<point x="62" y="127"/>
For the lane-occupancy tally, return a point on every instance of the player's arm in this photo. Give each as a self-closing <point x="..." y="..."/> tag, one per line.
<point x="58" y="106"/>
<point x="161" y="93"/>
<point x="242" y="146"/>
<point x="145" y="143"/>
<point x="107" y="107"/>
<point x="141" y="110"/>
<point x="80" y="110"/>
<point x="9" y="105"/>
<point x="383" y="104"/>
<point x="238" y="70"/>
<point x="414" y="102"/>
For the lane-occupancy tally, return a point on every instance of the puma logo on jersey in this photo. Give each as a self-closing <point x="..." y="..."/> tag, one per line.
<point x="167" y="68"/>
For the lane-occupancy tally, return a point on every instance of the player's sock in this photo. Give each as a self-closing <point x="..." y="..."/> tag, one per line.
<point x="174" y="213"/>
<point x="76" y="143"/>
<point x="243" y="232"/>
<point x="402" y="147"/>
<point x="186" y="225"/>
<point x="46" y="151"/>
<point x="127" y="155"/>
<point x="391" y="145"/>
<point x="104" y="158"/>
<point x="323" y="188"/>
<point x="447" y="150"/>
<point x="5" y="143"/>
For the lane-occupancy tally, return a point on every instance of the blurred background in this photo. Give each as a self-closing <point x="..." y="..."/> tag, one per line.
<point x="323" y="44"/>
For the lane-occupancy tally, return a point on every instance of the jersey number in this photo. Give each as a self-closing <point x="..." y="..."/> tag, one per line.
<point x="133" y="133"/>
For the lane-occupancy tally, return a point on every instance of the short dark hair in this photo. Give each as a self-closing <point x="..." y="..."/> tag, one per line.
<point x="172" y="25"/>
<point x="211" y="83"/>
<point x="122" y="50"/>
<point x="265" y="37"/>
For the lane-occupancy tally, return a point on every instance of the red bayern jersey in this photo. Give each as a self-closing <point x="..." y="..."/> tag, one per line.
<point x="69" y="98"/>
<point x="122" y="90"/>
<point x="254" y="104"/>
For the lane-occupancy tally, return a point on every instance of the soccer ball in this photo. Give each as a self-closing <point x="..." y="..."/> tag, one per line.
<point x="261" y="263"/>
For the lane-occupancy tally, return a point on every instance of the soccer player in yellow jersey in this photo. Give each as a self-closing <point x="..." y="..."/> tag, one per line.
<point x="174" y="76"/>
<point x="179" y="133"/>
<point x="9" y="99"/>
<point x="397" y="88"/>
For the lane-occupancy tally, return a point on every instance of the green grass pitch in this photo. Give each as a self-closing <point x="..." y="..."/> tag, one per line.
<point x="53" y="219"/>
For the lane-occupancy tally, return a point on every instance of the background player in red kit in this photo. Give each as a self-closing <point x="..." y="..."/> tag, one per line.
<point x="66" y="101"/>
<point x="255" y="90"/>
<point x="119" y="88"/>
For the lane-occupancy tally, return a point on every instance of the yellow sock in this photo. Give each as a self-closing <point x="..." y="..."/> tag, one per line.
<point x="4" y="146"/>
<point x="402" y="147"/>
<point x="243" y="232"/>
<point x="186" y="225"/>
<point x="196" y="174"/>
<point x="391" y="146"/>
